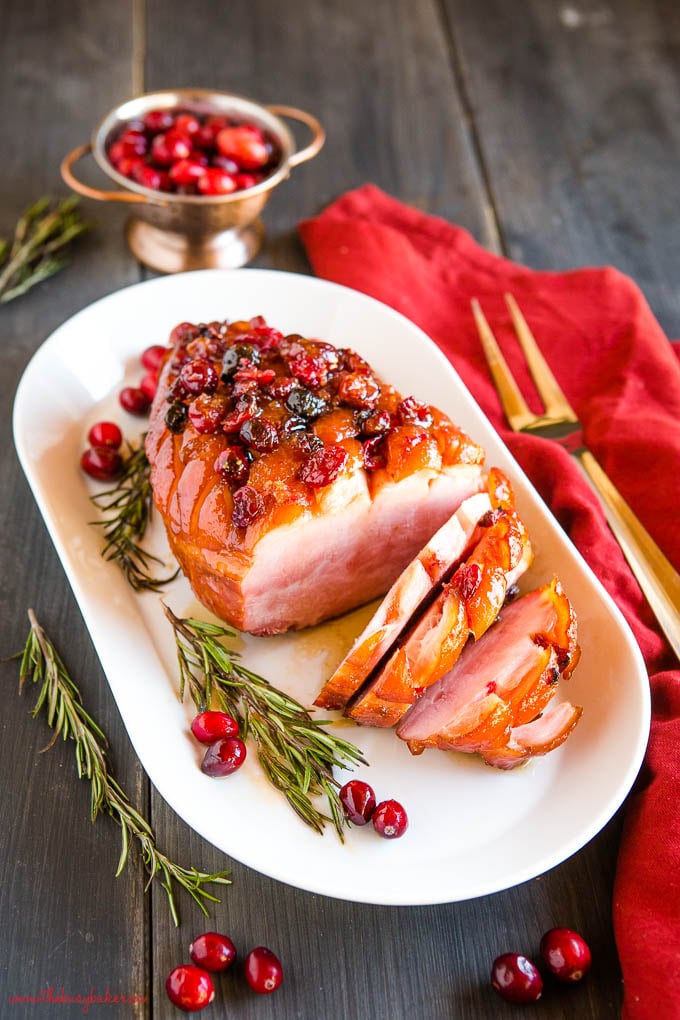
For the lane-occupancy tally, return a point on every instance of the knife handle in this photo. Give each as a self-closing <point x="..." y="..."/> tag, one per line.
<point x="658" y="579"/>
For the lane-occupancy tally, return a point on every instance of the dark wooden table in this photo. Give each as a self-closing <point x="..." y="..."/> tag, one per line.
<point x="552" y="131"/>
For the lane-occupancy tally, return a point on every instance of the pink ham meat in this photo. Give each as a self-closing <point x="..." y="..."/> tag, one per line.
<point x="467" y="606"/>
<point x="409" y="591"/>
<point x="491" y="701"/>
<point x="543" y="734"/>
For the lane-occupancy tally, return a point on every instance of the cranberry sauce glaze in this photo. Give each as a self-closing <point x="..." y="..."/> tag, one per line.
<point x="294" y="484"/>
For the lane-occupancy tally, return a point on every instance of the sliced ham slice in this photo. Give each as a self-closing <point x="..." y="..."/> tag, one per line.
<point x="512" y="671"/>
<point x="446" y="547"/>
<point x="538" y="737"/>
<point x="467" y="605"/>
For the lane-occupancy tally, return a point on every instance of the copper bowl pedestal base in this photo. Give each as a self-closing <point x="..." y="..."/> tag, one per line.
<point x="168" y="251"/>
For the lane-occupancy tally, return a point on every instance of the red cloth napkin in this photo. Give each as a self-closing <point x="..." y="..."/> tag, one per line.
<point x="622" y="377"/>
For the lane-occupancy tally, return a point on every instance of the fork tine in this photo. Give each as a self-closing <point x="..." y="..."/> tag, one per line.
<point x="516" y="410"/>
<point x="556" y="404"/>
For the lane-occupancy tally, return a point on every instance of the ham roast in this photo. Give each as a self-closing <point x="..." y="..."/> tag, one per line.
<point x="421" y="579"/>
<point x="293" y="483"/>
<point x="465" y="607"/>
<point x="495" y="699"/>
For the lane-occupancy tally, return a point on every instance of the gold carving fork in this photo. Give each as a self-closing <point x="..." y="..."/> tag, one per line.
<point x="657" y="578"/>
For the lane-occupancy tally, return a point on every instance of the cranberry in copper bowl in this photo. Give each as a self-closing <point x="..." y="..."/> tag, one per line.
<point x="198" y="167"/>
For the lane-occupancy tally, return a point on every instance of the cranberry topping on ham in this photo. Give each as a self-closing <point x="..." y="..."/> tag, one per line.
<point x="482" y="704"/>
<point x="467" y="605"/>
<point x="293" y="483"/>
<point x="411" y="589"/>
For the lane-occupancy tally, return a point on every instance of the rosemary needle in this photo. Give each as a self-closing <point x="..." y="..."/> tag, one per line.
<point x="66" y="715"/>
<point x="297" y="754"/>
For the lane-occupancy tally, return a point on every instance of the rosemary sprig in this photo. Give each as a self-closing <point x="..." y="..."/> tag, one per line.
<point x="39" y="234"/>
<point x="296" y="753"/>
<point x="128" y="506"/>
<point x="66" y="715"/>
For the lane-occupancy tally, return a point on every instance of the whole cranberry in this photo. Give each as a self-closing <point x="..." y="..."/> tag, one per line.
<point x="148" y="177"/>
<point x="224" y="757"/>
<point x="244" y="145"/>
<point x="134" y="400"/>
<point x="152" y="356"/>
<point x="206" y="413"/>
<point x="183" y="333"/>
<point x="516" y="978"/>
<point x="358" y="800"/>
<point x="208" y="727"/>
<point x="263" y="970"/>
<point x="566" y="954"/>
<point x="412" y="412"/>
<point x="248" y="506"/>
<point x="199" y="376"/>
<point x="357" y="389"/>
<point x="224" y="163"/>
<point x="191" y="988"/>
<point x="233" y="464"/>
<point x="212" y="951"/>
<point x="163" y="155"/>
<point x="157" y="120"/>
<point x="374" y="423"/>
<point x="105" y="433"/>
<point x="186" y="171"/>
<point x="186" y="124"/>
<point x="244" y="181"/>
<point x="375" y="453"/>
<point x="128" y="166"/>
<point x="216" y="182"/>
<point x="310" y="371"/>
<point x="390" y="819"/>
<point x="135" y="142"/>
<point x="259" y="434"/>
<point x="101" y="462"/>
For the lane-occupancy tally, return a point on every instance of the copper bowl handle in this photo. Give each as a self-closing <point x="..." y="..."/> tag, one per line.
<point x="318" y="133"/>
<point x="84" y="189"/>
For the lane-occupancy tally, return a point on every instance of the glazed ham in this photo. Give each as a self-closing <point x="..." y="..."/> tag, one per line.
<point x="421" y="578"/>
<point x="467" y="605"/>
<point x="494" y="701"/>
<point x="293" y="483"/>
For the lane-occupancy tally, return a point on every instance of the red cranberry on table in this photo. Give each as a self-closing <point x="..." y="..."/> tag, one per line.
<point x="134" y="400"/>
<point x="358" y="800"/>
<point x="566" y="954"/>
<point x="208" y="727"/>
<point x="149" y="385"/>
<point x="516" y="978"/>
<point x="105" y="433"/>
<point x="224" y="757"/>
<point x="390" y="819"/>
<point x="212" y="951"/>
<point x="101" y="462"/>
<point x="191" y="988"/>
<point x="263" y="970"/>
